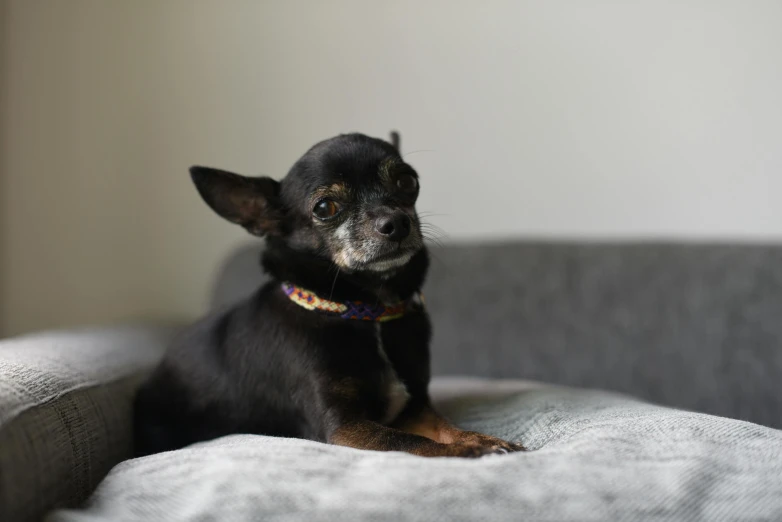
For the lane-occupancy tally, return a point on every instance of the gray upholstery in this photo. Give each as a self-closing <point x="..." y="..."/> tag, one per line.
<point x="65" y="412"/>
<point x="693" y="326"/>
<point x="595" y="456"/>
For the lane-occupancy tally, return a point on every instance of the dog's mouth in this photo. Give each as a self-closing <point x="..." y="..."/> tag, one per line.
<point x="395" y="258"/>
<point x="375" y="258"/>
<point x="354" y="249"/>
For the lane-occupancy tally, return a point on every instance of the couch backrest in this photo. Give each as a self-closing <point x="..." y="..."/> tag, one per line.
<point x="692" y="326"/>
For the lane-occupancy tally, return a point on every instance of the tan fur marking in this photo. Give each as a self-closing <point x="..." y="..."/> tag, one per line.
<point x="346" y="388"/>
<point x="385" y="169"/>
<point x="339" y="191"/>
<point x="430" y="424"/>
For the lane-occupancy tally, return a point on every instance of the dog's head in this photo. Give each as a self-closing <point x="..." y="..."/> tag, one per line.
<point x="350" y="199"/>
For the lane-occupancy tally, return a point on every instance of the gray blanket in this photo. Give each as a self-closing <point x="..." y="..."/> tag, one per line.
<point x="594" y="456"/>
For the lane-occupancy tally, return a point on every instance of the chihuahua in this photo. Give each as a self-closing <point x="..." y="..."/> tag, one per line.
<point x="335" y="347"/>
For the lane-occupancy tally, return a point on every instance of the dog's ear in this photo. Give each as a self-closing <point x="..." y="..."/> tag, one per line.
<point x="250" y="202"/>
<point x="396" y="141"/>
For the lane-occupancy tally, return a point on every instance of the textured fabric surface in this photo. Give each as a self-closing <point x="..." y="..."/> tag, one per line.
<point x="65" y="412"/>
<point x="692" y="326"/>
<point x="595" y="456"/>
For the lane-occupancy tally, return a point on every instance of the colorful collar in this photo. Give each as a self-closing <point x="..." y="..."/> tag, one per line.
<point x="349" y="309"/>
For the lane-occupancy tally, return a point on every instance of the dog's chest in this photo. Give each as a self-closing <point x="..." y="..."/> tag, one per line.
<point x="391" y="387"/>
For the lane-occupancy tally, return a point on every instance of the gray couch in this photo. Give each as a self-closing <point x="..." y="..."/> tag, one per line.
<point x="693" y="332"/>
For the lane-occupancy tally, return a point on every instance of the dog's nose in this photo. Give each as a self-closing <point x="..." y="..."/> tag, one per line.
<point x="394" y="227"/>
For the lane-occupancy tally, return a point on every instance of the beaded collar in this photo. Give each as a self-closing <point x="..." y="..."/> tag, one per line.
<point x="349" y="309"/>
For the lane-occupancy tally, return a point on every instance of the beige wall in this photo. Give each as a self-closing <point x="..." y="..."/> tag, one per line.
<point x="552" y="118"/>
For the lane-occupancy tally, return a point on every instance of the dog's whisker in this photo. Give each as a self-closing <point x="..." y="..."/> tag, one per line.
<point x="433" y="232"/>
<point x="417" y="151"/>
<point x="425" y="222"/>
<point x="436" y="232"/>
<point x="437" y="240"/>
<point x="434" y="239"/>
<point x="334" y="284"/>
<point x="431" y="226"/>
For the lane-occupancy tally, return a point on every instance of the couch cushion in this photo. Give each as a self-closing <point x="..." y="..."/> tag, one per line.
<point x="687" y="325"/>
<point x="65" y="412"/>
<point x="595" y="456"/>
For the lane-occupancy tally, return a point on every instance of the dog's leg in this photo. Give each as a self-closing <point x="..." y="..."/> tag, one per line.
<point x="422" y="419"/>
<point x="374" y="436"/>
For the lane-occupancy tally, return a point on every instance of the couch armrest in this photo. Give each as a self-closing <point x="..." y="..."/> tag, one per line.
<point x="66" y="412"/>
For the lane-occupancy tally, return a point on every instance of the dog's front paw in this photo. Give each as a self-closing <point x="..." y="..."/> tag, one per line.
<point x="484" y="446"/>
<point x="493" y="443"/>
<point x="470" y="450"/>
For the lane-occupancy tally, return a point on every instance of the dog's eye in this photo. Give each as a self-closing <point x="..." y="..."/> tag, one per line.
<point x="407" y="182"/>
<point x="325" y="208"/>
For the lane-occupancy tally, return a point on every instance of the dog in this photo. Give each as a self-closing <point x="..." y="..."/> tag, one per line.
<point x="335" y="348"/>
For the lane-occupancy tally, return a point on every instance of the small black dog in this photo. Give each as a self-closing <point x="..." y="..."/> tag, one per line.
<point x="336" y="347"/>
